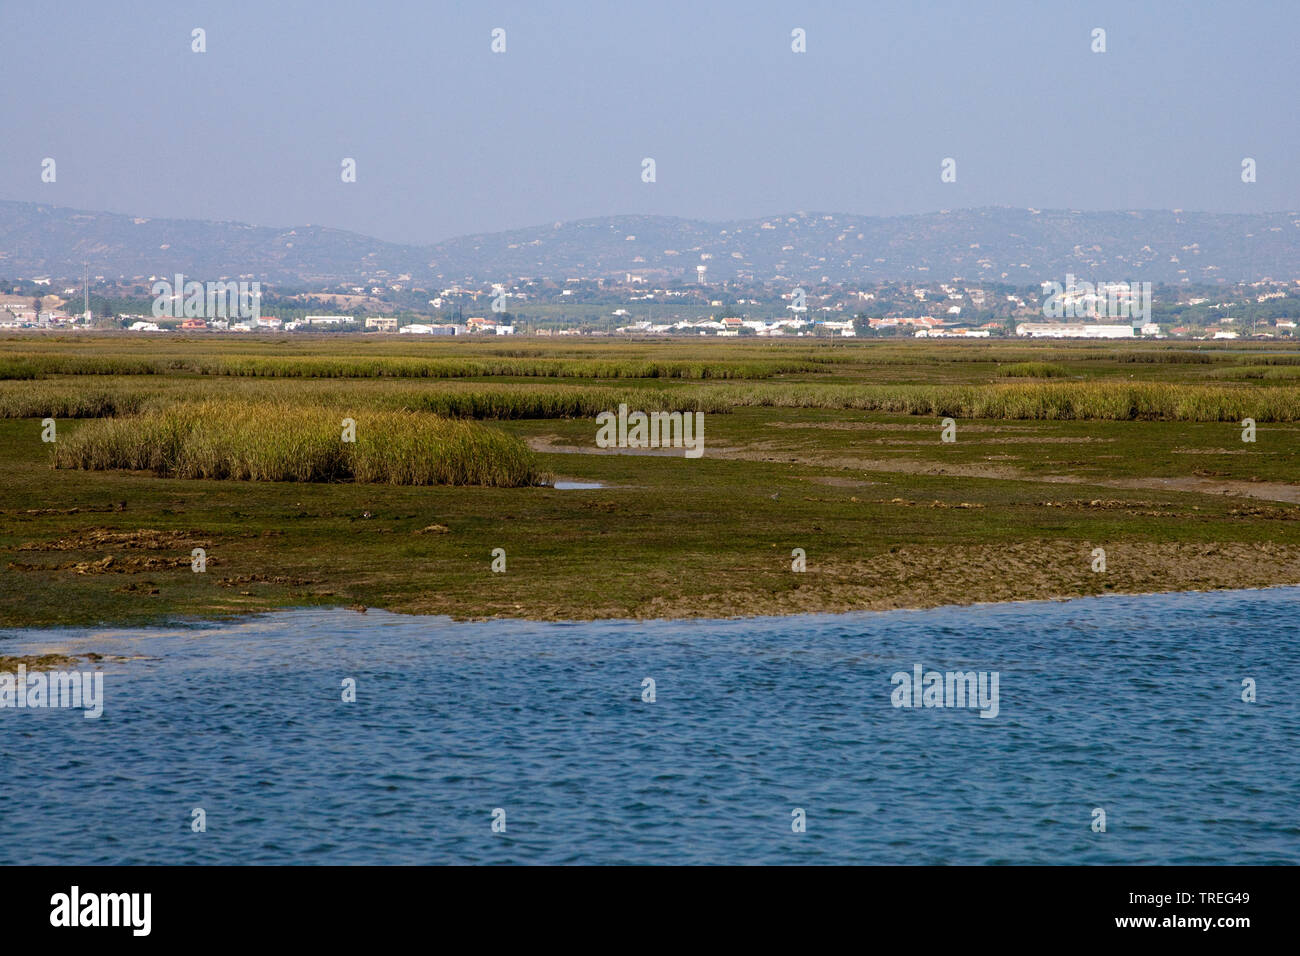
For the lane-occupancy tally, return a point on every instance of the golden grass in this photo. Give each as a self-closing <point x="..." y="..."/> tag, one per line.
<point x="1103" y="401"/>
<point x="279" y="441"/>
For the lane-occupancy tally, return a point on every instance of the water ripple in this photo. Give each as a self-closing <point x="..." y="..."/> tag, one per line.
<point x="1127" y="703"/>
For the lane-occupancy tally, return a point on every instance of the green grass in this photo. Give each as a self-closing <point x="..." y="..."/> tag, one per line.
<point x="1033" y="370"/>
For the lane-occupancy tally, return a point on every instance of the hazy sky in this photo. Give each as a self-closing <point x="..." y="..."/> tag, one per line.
<point x="450" y="138"/>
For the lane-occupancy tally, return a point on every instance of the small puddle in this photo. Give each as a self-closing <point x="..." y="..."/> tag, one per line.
<point x="577" y="485"/>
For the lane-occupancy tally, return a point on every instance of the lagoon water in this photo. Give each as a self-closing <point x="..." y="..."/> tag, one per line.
<point x="1129" y="704"/>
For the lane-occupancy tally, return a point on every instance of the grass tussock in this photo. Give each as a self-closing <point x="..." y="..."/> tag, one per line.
<point x="248" y="441"/>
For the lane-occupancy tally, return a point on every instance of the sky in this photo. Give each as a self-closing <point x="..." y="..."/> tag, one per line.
<point x="450" y="138"/>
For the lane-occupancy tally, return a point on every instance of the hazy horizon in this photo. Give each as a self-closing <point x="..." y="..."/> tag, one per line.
<point x="451" y="139"/>
<point x="809" y="213"/>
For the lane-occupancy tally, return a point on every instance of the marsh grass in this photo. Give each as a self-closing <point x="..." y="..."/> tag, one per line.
<point x="515" y="368"/>
<point x="1291" y="359"/>
<point x="1265" y="373"/>
<point x="579" y="379"/>
<point x="28" y="366"/>
<point x="1097" y="400"/>
<point x="67" y="400"/>
<point x="270" y="441"/>
<point x="70" y="398"/>
<point x="505" y="402"/>
<point x="1102" y="401"/>
<point x="1033" y="370"/>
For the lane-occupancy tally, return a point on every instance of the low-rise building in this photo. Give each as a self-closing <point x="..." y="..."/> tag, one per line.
<point x="1074" y="330"/>
<point x="418" y="328"/>
<point x="952" y="333"/>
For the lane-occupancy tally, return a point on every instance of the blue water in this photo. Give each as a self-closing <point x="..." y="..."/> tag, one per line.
<point x="1129" y="704"/>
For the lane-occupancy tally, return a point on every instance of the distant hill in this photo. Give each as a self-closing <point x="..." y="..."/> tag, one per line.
<point x="37" y="239"/>
<point x="993" y="244"/>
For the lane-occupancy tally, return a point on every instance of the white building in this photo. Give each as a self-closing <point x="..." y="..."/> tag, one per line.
<point x="951" y="333"/>
<point x="416" y="328"/>
<point x="1073" y="330"/>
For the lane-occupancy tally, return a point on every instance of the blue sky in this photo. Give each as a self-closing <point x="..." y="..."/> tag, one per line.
<point x="450" y="138"/>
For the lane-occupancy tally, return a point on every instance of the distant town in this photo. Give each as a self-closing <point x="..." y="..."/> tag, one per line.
<point x="633" y="306"/>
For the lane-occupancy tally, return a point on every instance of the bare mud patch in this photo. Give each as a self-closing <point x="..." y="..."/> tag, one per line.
<point x="923" y="425"/>
<point x="1268" y="491"/>
<point x="1000" y="440"/>
<point x="110" y="565"/>
<point x="97" y="539"/>
<point x="921" y="577"/>
<point x="838" y="482"/>
<point x="549" y="444"/>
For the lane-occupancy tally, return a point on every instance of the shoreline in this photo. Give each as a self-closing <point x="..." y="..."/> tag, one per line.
<point x="61" y="654"/>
